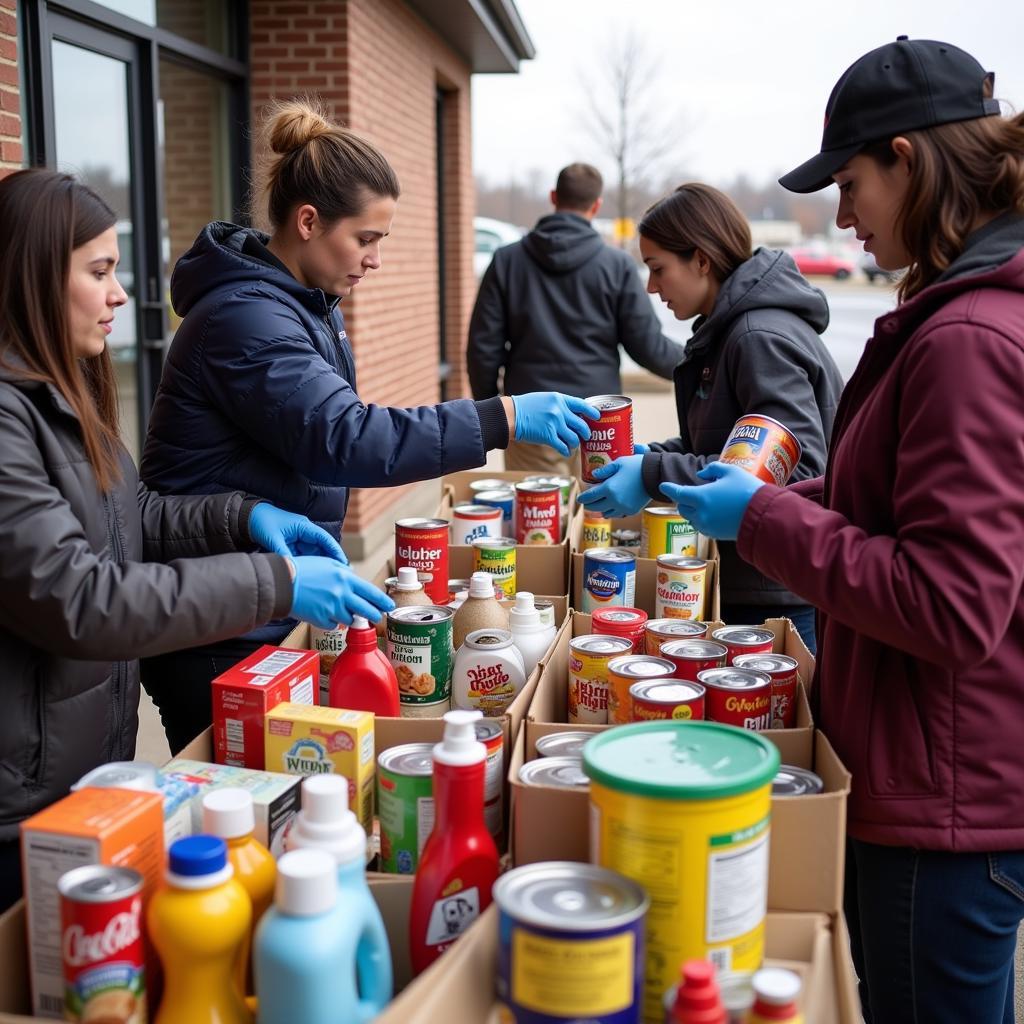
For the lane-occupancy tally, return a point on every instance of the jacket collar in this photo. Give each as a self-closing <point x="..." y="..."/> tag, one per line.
<point x="9" y="374"/>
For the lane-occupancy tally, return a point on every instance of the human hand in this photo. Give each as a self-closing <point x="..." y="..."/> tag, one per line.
<point x="640" y="449"/>
<point x="287" y="533"/>
<point x="327" y="594"/>
<point x="547" y="417"/>
<point x="716" y="509"/>
<point x="622" y="491"/>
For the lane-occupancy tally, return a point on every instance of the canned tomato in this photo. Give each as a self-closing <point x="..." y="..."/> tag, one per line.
<point x="666" y="699"/>
<point x="661" y="631"/>
<point x="609" y="578"/>
<point x="421" y="649"/>
<point x="784" y="674"/>
<point x="627" y="622"/>
<point x="626" y="670"/>
<point x="611" y="436"/>
<point x="472" y="521"/>
<point x="691" y="657"/>
<point x="793" y="781"/>
<point x="497" y="556"/>
<point x="628" y="539"/>
<point x="562" y="744"/>
<point x="588" y="675"/>
<point x="764" y="447"/>
<point x="405" y="805"/>
<point x="503" y="498"/>
<point x="663" y="531"/>
<point x="737" y="696"/>
<point x="597" y="531"/>
<point x="560" y="772"/>
<point x="101" y="944"/>
<point x="423" y="544"/>
<point x="490" y="735"/>
<point x="538" y="513"/>
<point x="571" y="944"/>
<point x="744" y="640"/>
<point x="680" y="587"/>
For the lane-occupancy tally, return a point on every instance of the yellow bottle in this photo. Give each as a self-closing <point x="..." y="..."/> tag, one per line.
<point x="199" y="922"/>
<point x="228" y="813"/>
<point x="776" y="992"/>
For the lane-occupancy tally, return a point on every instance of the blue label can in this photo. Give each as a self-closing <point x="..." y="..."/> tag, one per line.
<point x="502" y="498"/>
<point x="609" y="578"/>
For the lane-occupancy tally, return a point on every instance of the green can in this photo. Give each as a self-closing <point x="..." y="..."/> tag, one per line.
<point x="405" y="805"/>
<point x="421" y="648"/>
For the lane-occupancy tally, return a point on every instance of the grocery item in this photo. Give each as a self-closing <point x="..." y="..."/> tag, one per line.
<point x="571" y="943"/>
<point x="480" y="610"/>
<point x="764" y="447"/>
<point x="793" y="781"/>
<point x="405" y="588"/>
<point x="661" y="631"/>
<point x="473" y="521"/>
<point x="488" y="484"/>
<point x="663" y="531"/>
<point x="627" y="622"/>
<point x="692" y="799"/>
<point x="420" y="648"/>
<point x="423" y="545"/>
<point x="666" y="698"/>
<point x="776" y="997"/>
<point x="737" y="696"/>
<point x="363" y="679"/>
<point x="489" y="733"/>
<point x="497" y="557"/>
<point x="597" y="530"/>
<point x="784" y="673"/>
<point x="744" y="640"/>
<point x="529" y="634"/>
<point x="500" y="497"/>
<point x="560" y="772"/>
<point x="489" y="672"/>
<point x="696" y="999"/>
<point x="564" y="485"/>
<point x="588" y="675"/>
<point x="538" y="513"/>
<point x="691" y="657"/>
<point x="680" y="588"/>
<point x="626" y="670"/>
<point x="611" y="436"/>
<point x="562" y="744"/>
<point x="405" y="804"/>
<point x="546" y="608"/>
<point x="609" y="578"/>
<point x="328" y="643"/>
<point x="628" y="539"/>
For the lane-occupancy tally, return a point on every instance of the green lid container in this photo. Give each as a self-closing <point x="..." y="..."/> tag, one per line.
<point x="681" y="760"/>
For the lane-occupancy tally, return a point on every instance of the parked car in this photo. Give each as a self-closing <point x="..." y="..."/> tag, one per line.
<point x="489" y="235"/>
<point x="813" y="260"/>
<point x="873" y="272"/>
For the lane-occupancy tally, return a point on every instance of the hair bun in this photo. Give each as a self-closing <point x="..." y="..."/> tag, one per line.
<point x="295" y="123"/>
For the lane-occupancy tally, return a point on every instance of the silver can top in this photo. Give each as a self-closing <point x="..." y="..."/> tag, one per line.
<point x="562" y="744"/>
<point x="415" y="759"/>
<point x="561" y="772"/>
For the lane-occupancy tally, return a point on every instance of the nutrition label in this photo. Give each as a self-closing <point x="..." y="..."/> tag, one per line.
<point x="737" y="883"/>
<point x="274" y="664"/>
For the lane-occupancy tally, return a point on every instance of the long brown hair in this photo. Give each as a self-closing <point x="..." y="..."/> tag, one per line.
<point x="45" y="215"/>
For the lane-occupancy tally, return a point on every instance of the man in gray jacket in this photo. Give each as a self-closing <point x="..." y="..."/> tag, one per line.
<point x="553" y="309"/>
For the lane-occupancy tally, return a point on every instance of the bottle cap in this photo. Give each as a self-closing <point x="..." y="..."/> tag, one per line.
<point x="307" y="883"/>
<point x="325" y="821"/>
<point x="408" y="578"/>
<point x="358" y="622"/>
<point x="198" y="862"/>
<point x="524" y="614"/>
<point x="776" y="986"/>
<point x="228" y="812"/>
<point x="481" y="585"/>
<point x="460" y="745"/>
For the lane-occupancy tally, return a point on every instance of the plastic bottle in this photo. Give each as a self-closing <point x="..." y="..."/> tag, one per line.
<point x="480" y="610"/>
<point x="529" y="634"/>
<point x="199" y="923"/>
<point x="459" y="862"/>
<point x="776" y="992"/>
<point x="228" y="814"/>
<point x="363" y="679"/>
<point x="488" y="673"/>
<point x="697" y="999"/>
<point x="405" y="588"/>
<point x="325" y="823"/>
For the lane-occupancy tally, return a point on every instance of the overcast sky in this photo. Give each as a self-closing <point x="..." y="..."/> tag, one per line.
<point x="747" y="79"/>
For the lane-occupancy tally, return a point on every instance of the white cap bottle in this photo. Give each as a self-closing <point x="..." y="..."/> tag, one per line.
<point x="460" y="746"/>
<point x="229" y="813"/>
<point x="408" y="579"/>
<point x="307" y="883"/>
<point x="325" y="821"/>
<point x="529" y="634"/>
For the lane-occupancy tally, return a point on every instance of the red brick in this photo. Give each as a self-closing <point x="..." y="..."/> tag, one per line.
<point x="10" y="152"/>
<point x="10" y="126"/>
<point x="10" y="101"/>
<point x="8" y="74"/>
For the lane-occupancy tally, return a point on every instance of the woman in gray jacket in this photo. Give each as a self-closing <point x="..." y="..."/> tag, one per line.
<point x="95" y="570"/>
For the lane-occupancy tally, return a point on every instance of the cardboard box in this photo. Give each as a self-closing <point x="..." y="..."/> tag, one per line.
<point x="244" y="694"/>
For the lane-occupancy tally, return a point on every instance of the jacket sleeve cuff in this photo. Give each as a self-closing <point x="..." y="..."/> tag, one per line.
<point x="650" y="474"/>
<point x="244" y="538"/>
<point x="284" y="589"/>
<point x="493" y="423"/>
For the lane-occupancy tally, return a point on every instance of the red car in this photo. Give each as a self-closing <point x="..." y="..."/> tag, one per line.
<point x="821" y="261"/>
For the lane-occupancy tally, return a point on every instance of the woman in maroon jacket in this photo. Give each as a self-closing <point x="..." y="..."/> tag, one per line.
<point x="912" y="544"/>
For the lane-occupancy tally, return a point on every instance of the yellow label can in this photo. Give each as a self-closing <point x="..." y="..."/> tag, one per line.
<point x="682" y="808"/>
<point x="597" y="531"/>
<point x="663" y="531"/>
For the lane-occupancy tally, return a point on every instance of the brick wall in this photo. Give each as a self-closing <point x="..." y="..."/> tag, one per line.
<point x="10" y="106"/>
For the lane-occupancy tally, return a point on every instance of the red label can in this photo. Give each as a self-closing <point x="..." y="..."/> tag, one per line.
<point x="538" y="513"/>
<point x="626" y="670"/>
<point x="691" y="657"/>
<point x="610" y="437"/>
<point x="101" y="944"/>
<point x="783" y="671"/>
<point x="423" y="544"/>
<point x="744" y="640"/>
<point x="666" y="699"/>
<point x="618" y="621"/>
<point x="661" y="631"/>
<point x="737" y="696"/>
<point x="764" y="447"/>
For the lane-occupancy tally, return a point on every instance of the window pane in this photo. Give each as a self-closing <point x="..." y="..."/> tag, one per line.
<point x="207" y="22"/>
<point x="140" y="10"/>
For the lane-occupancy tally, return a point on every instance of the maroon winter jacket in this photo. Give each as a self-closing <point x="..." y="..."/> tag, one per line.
<point x="913" y="550"/>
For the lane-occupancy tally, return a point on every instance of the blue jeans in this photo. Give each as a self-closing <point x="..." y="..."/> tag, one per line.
<point x="933" y="933"/>
<point x="801" y="615"/>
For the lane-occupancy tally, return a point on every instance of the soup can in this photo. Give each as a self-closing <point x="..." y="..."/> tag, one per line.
<point x="559" y="772"/>
<point x="627" y="539"/>
<point x="764" y="447"/>
<point x="421" y="649"/>
<point x="488" y="484"/>
<point x="627" y="622"/>
<point x="497" y="556"/>
<point x="666" y="699"/>
<point x="564" y="485"/>
<point x="737" y="696"/>
<point x="626" y="670"/>
<point x="597" y="531"/>
<point x="793" y="781"/>
<point x="683" y="808"/>
<point x="588" y="676"/>
<point x="611" y="436"/>
<point x="784" y="674"/>
<point x="571" y="944"/>
<point x="663" y="531"/>
<point x="661" y="631"/>
<point x="538" y="513"/>
<point x="680" y="587"/>
<point x="609" y="578"/>
<point x="469" y="522"/>
<point x="744" y="640"/>
<point x="691" y="657"/>
<point x="405" y="805"/>
<point x="423" y="544"/>
<point x="503" y="498"/>
<point x="562" y="744"/>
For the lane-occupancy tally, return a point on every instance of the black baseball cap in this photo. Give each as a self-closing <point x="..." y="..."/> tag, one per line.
<point x="900" y="87"/>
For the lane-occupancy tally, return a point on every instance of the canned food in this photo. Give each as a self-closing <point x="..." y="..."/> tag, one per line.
<point x="793" y="781"/>
<point x="101" y="944"/>
<point x="784" y="673"/>
<point x="609" y="578"/>
<point x="737" y="696"/>
<point x="419" y="644"/>
<point x="538" y="513"/>
<point x="663" y="531"/>
<point x="562" y="744"/>
<point x="405" y="805"/>
<point x="744" y="640"/>
<point x="490" y="735"/>
<point x="627" y="622"/>
<point x="505" y="499"/>
<point x="588" y="675"/>
<point x="691" y="657"/>
<point x="611" y="436"/>
<point x="680" y="587"/>
<point x="571" y="944"/>
<point x="626" y="670"/>
<point x="764" y="447"/>
<point x="628" y="539"/>
<point x="497" y="556"/>
<point x="661" y="631"/>
<point x="666" y="699"/>
<point x="489" y="484"/>
<point x="560" y="772"/>
<point x="470" y="522"/>
<point x="456" y="587"/>
<point x="423" y="544"/>
<point x="597" y="531"/>
<point x="489" y="672"/>
<point x="328" y="643"/>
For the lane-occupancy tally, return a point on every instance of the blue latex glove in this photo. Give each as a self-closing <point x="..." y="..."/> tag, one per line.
<point x="327" y="593"/>
<point x="286" y="533"/>
<point x="621" y="492"/>
<point x="716" y="508"/>
<point x="547" y="417"/>
<point x="640" y="449"/>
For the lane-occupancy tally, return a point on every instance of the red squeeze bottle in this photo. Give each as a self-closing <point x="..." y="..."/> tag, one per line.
<point x="697" y="998"/>
<point x="459" y="863"/>
<point x="363" y="679"/>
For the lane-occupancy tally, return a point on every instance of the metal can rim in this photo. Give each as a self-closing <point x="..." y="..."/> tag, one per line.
<point x="68" y="884"/>
<point x="386" y="759"/>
